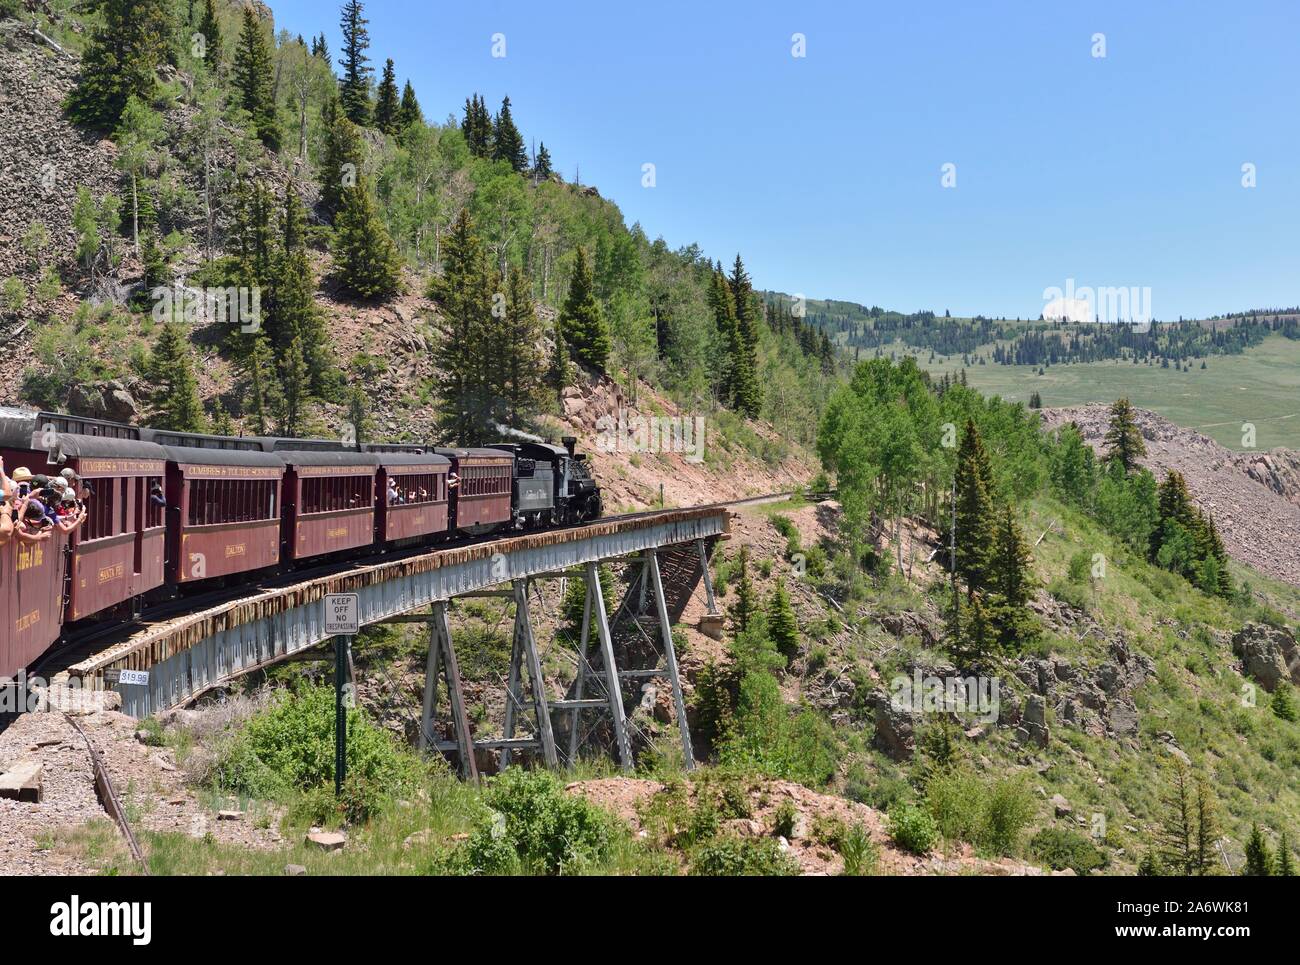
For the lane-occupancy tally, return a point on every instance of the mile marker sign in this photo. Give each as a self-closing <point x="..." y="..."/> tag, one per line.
<point x="341" y="614"/>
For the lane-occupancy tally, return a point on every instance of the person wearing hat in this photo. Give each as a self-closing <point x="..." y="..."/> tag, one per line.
<point x="70" y="514"/>
<point x="34" y="524"/>
<point x="22" y="479"/>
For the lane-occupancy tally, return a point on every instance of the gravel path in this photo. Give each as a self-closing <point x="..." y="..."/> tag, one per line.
<point x="70" y="801"/>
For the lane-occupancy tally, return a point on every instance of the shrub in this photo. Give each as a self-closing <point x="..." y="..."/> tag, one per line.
<point x="784" y="820"/>
<point x="912" y="828"/>
<point x="1283" y="704"/>
<point x="988" y="814"/>
<point x="861" y="855"/>
<point x="730" y="856"/>
<point x="534" y="826"/>
<point x="290" y="747"/>
<point x="1061" y="848"/>
<point x="1080" y="568"/>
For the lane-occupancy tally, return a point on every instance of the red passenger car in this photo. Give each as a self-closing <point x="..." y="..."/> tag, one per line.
<point x="415" y="506"/>
<point x="329" y="501"/>
<point x="31" y="598"/>
<point x="480" y="501"/>
<point x="117" y="553"/>
<point x="226" y="508"/>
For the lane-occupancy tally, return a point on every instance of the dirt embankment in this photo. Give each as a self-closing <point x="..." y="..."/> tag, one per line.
<point x="1253" y="496"/>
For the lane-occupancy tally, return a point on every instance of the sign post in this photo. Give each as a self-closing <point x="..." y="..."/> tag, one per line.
<point x="342" y="621"/>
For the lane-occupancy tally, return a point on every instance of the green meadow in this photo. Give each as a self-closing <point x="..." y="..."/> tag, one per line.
<point x="1260" y="386"/>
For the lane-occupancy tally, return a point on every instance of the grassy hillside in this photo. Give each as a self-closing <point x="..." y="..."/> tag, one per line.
<point x="1260" y="386"/>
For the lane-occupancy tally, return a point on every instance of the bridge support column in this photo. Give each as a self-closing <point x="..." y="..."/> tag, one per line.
<point x="579" y="686"/>
<point x="442" y="658"/>
<point x="613" y="687"/>
<point x="708" y="579"/>
<point x="525" y="647"/>
<point x="670" y="656"/>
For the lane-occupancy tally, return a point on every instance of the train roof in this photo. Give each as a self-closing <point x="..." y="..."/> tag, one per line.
<point x="21" y="428"/>
<point x="345" y="457"/>
<point x="69" y="446"/>
<point x="412" y="459"/>
<point x="468" y="453"/>
<point x="532" y="450"/>
<point x="200" y="456"/>
<point x="201" y="440"/>
<point x="413" y="447"/>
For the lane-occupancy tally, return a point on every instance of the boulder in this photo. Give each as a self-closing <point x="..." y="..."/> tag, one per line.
<point x="1034" y="723"/>
<point x="895" y="728"/>
<point x="1268" y="654"/>
<point x="1061" y="806"/>
<point x="327" y="840"/>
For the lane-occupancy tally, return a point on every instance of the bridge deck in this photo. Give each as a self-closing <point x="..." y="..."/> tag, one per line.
<point x="196" y="652"/>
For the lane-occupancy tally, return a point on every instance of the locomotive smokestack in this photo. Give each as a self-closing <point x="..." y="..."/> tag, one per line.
<point x="570" y="443"/>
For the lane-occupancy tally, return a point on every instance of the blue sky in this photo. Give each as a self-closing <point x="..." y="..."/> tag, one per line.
<point x="824" y="172"/>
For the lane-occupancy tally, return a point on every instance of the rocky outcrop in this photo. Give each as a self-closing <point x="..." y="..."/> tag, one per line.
<point x="1268" y="654"/>
<point x="1096" y="699"/>
<point x="110" y="400"/>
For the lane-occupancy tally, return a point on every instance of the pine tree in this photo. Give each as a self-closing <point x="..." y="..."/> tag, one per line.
<point x="581" y="321"/>
<point x="254" y="241"/>
<point x="1207" y="828"/>
<point x="782" y="625"/>
<point x="121" y="60"/>
<point x="1178" y="833"/>
<point x="354" y="85"/>
<point x="409" y="113"/>
<point x="1123" y="438"/>
<point x="222" y="424"/>
<point x="293" y="313"/>
<point x="1180" y="539"/>
<point x="358" y="415"/>
<point x="263" y="390"/>
<point x="387" y="105"/>
<point x="972" y="638"/>
<point x="365" y="258"/>
<point x="341" y="165"/>
<point x="522" y="387"/>
<point x="210" y="28"/>
<point x="462" y="351"/>
<point x="321" y="50"/>
<point x="296" y="391"/>
<point x="477" y="127"/>
<point x="726" y="337"/>
<point x="507" y="142"/>
<point x="174" y="387"/>
<point x="974" y="510"/>
<point x="746" y="605"/>
<point x="542" y="169"/>
<point x="252" y="78"/>
<point x="746" y="391"/>
<point x="1012" y="584"/>
<point x="558" y="369"/>
<point x="1259" y="860"/>
<point x="1285" y="862"/>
